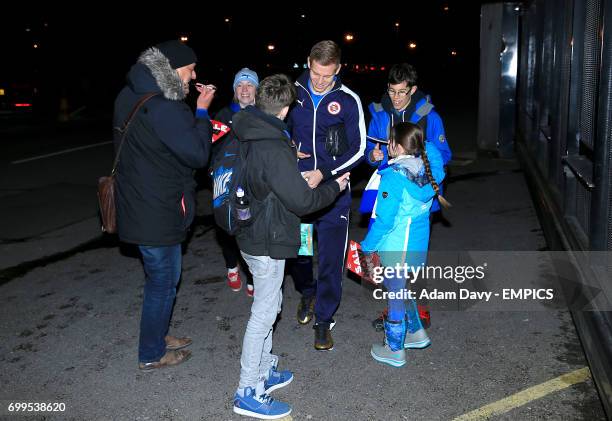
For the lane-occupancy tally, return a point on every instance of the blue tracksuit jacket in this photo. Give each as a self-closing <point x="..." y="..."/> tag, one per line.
<point x="384" y="117"/>
<point x="308" y="126"/>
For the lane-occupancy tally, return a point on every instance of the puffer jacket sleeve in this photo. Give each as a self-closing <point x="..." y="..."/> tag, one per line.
<point x="387" y="205"/>
<point x="375" y="130"/>
<point x="189" y="139"/>
<point x="436" y="134"/>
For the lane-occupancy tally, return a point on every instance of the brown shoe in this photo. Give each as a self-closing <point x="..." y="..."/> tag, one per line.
<point x="173" y="343"/>
<point x="169" y="359"/>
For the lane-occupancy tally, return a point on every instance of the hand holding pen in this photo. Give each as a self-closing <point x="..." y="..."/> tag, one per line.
<point x="207" y="93"/>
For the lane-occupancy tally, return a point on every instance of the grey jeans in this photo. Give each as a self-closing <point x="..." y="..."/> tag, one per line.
<point x="257" y="358"/>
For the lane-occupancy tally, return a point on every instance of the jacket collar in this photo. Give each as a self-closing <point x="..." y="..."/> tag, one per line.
<point x="417" y="100"/>
<point x="270" y="119"/>
<point x="304" y="78"/>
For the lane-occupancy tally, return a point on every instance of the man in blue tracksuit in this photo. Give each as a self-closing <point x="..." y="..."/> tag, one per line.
<point x="404" y="102"/>
<point x="327" y="123"/>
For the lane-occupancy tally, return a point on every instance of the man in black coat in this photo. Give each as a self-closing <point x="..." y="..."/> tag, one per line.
<point x="155" y="189"/>
<point x="278" y="197"/>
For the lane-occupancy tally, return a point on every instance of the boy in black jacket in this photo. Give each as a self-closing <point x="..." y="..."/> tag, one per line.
<point x="280" y="196"/>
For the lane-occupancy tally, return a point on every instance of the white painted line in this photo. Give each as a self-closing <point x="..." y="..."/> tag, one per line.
<point x="80" y="148"/>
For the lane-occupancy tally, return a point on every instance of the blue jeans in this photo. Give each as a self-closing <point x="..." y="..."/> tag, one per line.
<point x="399" y="307"/>
<point x="162" y="266"/>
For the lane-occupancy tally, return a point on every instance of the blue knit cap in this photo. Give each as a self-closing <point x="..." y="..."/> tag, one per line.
<point x="248" y="75"/>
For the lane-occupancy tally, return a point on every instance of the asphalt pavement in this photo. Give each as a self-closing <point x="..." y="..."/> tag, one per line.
<point x="69" y="320"/>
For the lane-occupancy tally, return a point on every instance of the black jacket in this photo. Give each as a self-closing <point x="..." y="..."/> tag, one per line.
<point x="225" y="115"/>
<point x="155" y="189"/>
<point x="280" y="196"/>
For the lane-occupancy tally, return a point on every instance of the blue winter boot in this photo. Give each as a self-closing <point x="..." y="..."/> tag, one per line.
<point x="392" y="351"/>
<point x="416" y="337"/>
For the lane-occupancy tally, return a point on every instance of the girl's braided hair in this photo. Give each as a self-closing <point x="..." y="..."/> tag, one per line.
<point x="410" y="137"/>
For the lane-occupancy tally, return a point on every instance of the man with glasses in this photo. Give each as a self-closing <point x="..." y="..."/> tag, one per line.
<point x="404" y="102"/>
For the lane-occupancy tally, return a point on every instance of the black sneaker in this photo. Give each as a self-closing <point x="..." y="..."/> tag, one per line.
<point x="323" y="339"/>
<point x="305" y="310"/>
<point x="379" y="323"/>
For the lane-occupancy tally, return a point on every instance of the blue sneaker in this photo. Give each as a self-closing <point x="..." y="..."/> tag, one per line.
<point x="277" y="379"/>
<point x="263" y="406"/>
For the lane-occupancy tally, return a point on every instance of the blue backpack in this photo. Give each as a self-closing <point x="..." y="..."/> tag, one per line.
<point x="229" y="173"/>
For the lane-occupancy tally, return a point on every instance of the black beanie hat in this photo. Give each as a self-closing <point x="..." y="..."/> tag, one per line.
<point x="177" y="53"/>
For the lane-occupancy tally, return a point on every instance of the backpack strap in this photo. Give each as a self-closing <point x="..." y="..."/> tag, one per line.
<point x="422" y="113"/>
<point x="424" y="109"/>
<point x="243" y="152"/>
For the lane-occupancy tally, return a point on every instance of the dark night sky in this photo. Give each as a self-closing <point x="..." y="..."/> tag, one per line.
<point x="87" y="58"/>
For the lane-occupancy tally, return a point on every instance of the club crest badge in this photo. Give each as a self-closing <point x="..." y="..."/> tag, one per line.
<point x="334" y="107"/>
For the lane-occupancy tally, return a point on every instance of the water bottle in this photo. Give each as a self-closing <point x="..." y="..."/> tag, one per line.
<point x="243" y="211"/>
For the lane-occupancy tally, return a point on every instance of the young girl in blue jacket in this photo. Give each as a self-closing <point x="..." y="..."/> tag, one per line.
<point x="400" y="233"/>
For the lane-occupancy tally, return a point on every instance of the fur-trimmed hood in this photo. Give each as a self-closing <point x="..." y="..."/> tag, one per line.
<point x="153" y="73"/>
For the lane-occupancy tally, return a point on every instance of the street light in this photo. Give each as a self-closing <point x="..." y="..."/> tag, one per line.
<point x="184" y="39"/>
<point x="412" y="45"/>
<point x="349" y="37"/>
<point x="271" y="47"/>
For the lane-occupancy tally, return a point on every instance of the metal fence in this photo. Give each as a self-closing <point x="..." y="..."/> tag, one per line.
<point x="564" y="130"/>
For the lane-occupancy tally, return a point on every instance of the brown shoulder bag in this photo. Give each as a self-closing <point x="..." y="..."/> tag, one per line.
<point x="106" y="184"/>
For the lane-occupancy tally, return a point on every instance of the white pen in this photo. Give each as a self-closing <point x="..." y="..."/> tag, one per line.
<point x="201" y="85"/>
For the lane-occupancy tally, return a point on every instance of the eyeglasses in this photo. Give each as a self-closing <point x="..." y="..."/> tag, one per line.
<point x="400" y="93"/>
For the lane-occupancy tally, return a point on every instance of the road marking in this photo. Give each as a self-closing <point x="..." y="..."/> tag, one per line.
<point x="80" y="148"/>
<point x="523" y="397"/>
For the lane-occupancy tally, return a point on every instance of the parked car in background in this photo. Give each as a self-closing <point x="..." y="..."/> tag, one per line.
<point x="17" y="98"/>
